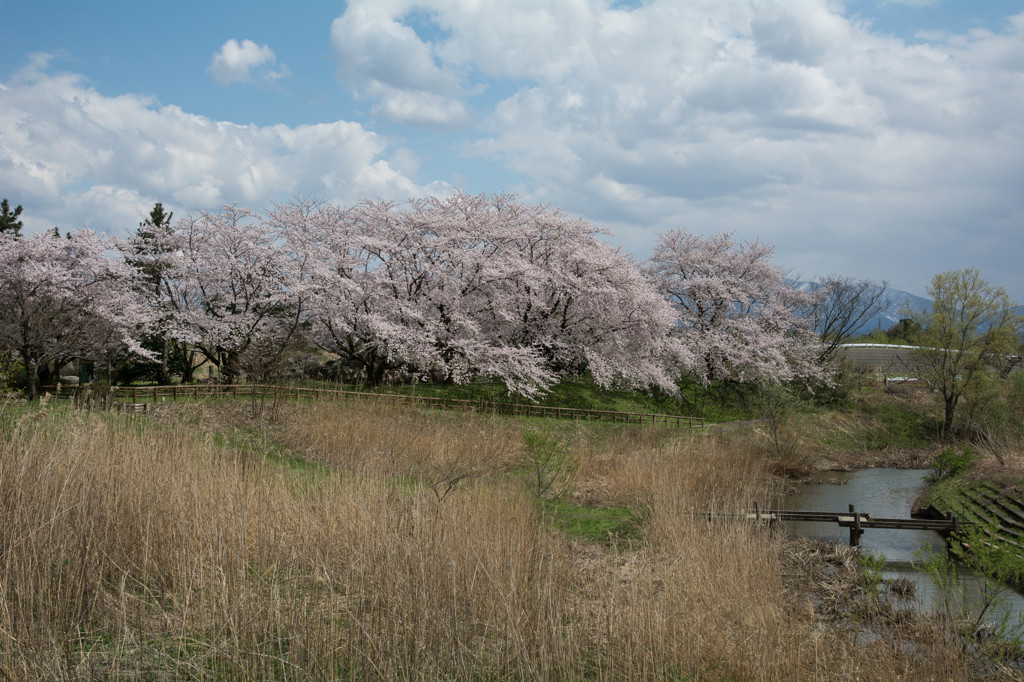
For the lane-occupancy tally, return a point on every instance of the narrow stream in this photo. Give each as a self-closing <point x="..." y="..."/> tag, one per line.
<point x="890" y="493"/>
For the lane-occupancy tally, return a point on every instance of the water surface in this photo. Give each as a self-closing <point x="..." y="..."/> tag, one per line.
<point x="890" y="493"/>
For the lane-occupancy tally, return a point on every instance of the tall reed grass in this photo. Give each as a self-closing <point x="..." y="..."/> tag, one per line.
<point x="135" y="550"/>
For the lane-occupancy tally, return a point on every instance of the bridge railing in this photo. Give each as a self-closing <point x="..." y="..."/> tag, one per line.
<point x="856" y="521"/>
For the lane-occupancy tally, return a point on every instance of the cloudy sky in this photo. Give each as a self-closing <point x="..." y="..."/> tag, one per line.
<point x="870" y="138"/>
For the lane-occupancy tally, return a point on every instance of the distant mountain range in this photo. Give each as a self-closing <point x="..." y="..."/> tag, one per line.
<point x="898" y="300"/>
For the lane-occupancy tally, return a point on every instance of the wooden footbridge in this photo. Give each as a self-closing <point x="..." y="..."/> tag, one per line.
<point x="856" y="521"/>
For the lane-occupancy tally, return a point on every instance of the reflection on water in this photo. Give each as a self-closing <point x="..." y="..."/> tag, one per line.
<point x="891" y="493"/>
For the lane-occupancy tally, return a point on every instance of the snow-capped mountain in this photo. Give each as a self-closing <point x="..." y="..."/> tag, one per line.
<point x="899" y="302"/>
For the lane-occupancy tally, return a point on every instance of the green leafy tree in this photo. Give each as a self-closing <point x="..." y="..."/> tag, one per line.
<point x="148" y="245"/>
<point x="1016" y="358"/>
<point x="9" y="220"/>
<point x="906" y="331"/>
<point x="147" y="253"/>
<point x="969" y="328"/>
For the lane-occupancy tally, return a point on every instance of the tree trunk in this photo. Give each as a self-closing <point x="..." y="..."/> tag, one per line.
<point x="375" y="372"/>
<point x="31" y="374"/>
<point x="947" y="420"/>
<point x="49" y="373"/>
<point x="229" y="369"/>
<point x="165" y="372"/>
<point x="188" y="370"/>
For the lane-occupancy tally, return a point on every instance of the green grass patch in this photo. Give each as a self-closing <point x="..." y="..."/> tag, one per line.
<point x="882" y="421"/>
<point x="602" y="525"/>
<point x="903" y="426"/>
<point x="989" y="546"/>
<point x="258" y="445"/>
<point x="946" y="495"/>
<point x="716" y="402"/>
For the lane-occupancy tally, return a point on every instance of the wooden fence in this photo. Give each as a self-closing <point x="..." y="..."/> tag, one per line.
<point x="141" y="394"/>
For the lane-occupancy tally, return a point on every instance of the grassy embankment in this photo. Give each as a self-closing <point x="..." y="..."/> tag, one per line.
<point x="991" y="496"/>
<point x="980" y="477"/>
<point x="583" y="393"/>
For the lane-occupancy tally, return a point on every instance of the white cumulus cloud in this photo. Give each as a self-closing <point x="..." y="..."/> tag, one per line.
<point x="84" y="157"/>
<point x="243" y="62"/>
<point x="421" y="108"/>
<point x="788" y="120"/>
<point x="381" y="58"/>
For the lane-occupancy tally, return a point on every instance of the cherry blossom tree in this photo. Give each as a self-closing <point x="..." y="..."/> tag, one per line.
<point x="541" y="291"/>
<point x="579" y="302"/>
<point x="398" y="289"/>
<point x="340" y="259"/>
<point x="472" y="286"/>
<point x="734" y="311"/>
<point x="231" y="287"/>
<point x="65" y="297"/>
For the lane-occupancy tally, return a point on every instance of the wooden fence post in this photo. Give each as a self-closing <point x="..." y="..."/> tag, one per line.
<point x="855" y="530"/>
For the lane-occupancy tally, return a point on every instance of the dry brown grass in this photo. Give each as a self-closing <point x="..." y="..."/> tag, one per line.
<point x="383" y="439"/>
<point x="131" y="550"/>
<point x="127" y="546"/>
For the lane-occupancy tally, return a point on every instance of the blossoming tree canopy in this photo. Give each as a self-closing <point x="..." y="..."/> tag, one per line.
<point x="477" y="286"/>
<point x="227" y="287"/>
<point x="580" y="302"/>
<point x="456" y="287"/>
<point x="65" y="297"/>
<point x="734" y="310"/>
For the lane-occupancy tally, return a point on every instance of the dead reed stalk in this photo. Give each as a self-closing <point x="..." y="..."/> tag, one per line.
<point x="133" y="550"/>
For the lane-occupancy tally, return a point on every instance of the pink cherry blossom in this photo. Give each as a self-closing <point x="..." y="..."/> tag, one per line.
<point x="735" y="312"/>
<point x="469" y="286"/>
<point x="229" y="286"/>
<point x="65" y="298"/>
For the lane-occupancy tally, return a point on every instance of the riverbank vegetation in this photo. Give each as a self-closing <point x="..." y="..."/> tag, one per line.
<point x="365" y="540"/>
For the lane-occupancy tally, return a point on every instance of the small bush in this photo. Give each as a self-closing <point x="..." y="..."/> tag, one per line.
<point x="951" y="463"/>
<point x="839" y="392"/>
<point x="550" y="463"/>
<point x="12" y="371"/>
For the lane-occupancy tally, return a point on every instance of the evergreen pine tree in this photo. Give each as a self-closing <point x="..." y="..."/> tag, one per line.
<point x="9" y="221"/>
